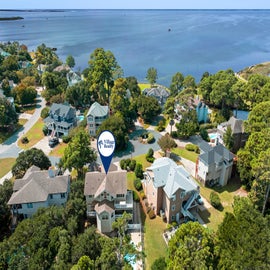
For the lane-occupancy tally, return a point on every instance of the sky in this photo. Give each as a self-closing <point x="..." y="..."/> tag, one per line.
<point x="134" y="4"/>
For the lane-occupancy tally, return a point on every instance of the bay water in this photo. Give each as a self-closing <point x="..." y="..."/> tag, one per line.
<point x="188" y="41"/>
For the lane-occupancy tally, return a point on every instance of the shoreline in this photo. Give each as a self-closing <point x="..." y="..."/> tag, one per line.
<point x="11" y="18"/>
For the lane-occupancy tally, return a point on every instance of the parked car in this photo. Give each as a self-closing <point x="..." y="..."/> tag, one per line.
<point x="53" y="141"/>
<point x="199" y="200"/>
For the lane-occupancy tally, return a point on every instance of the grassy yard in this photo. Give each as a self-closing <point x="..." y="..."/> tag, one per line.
<point x="212" y="216"/>
<point x="141" y="159"/>
<point x="58" y="150"/>
<point x="182" y="152"/>
<point x="144" y="85"/>
<point x="6" y="165"/>
<point x="4" y="135"/>
<point x="154" y="243"/>
<point x="34" y="135"/>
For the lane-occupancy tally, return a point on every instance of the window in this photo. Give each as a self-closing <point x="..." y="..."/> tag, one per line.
<point x="120" y="195"/>
<point x="105" y="217"/>
<point x="90" y="196"/>
<point x="29" y="205"/>
<point x="173" y="207"/>
<point x="182" y="194"/>
<point x="173" y="218"/>
<point x="63" y="195"/>
<point x="18" y="206"/>
<point x="51" y="196"/>
<point x="173" y="197"/>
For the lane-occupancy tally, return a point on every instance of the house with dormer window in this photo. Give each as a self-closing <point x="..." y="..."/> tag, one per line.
<point x="38" y="189"/>
<point x="170" y="190"/>
<point x="214" y="164"/>
<point x="107" y="197"/>
<point x="61" y="119"/>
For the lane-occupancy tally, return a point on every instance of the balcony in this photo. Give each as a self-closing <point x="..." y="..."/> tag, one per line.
<point x="127" y="204"/>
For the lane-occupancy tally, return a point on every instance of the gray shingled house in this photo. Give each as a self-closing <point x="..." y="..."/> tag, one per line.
<point x="95" y="116"/>
<point x="214" y="164"/>
<point x="239" y="135"/>
<point x="160" y="93"/>
<point x="38" y="189"/>
<point x="107" y="197"/>
<point x="61" y="119"/>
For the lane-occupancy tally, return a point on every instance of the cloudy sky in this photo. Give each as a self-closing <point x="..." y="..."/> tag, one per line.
<point x="135" y="4"/>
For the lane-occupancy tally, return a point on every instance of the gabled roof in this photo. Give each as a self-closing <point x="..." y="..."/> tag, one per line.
<point x="204" y="147"/>
<point x="113" y="183"/>
<point x="156" y="92"/>
<point x="216" y="154"/>
<point x="236" y="125"/>
<point x="98" y="110"/>
<point x="104" y="206"/>
<point x="36" y="186"/>
<point x="171" y="177"/>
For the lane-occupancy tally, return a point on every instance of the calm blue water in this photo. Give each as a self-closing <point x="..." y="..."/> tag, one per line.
<point x="199" y="41"/>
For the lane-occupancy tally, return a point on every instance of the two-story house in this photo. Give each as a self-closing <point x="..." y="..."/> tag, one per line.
<point x="95" y="116"/>
<point x="107" y="197"/>
<point x="159" y="93"/>
<point x="214" y="164"/>
<point x="38" y="189"/>
<point x="239" y="135"/>
<point x="61" y="119"/>
<point x="170" y="190"/>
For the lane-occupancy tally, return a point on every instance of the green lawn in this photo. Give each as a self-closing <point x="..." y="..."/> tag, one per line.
<point x="34" y="135"/>
<point x="212" y="216"/>
<point x="154" y="243"/>
<point x="58" y="150"/>
<point x="182" y="152"/>
<point x="6" y="165"/>
<point x="144" y="85"/>
<point x="4" y="135"/>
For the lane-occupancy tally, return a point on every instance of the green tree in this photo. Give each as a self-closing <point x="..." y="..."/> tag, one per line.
<point x="260" y="189"/>
<point x="133" y="87"/>
<point x="243" y="238"/>
<point x="169" y="107"/>
<point x="139" y="170"/>
<point x="189" y="82"/>
<point x="188" y="124"/>
<point x="148" y="108"/>
<point x="28" y="158"/>
<point x="258" y="118"/>
<point x="103" y="70"/>
<point x="24" y="94"/>
<point x="159" y="264"/>
<point x="176" y="84"/>
<point x="228" y="138"/>
<point x="166" y="143"/>
<point x="84" y="263"/>
<point x="70" y="61"/>
<point x="6" y="87"/>
<point x="116" y="125"/>
<point x="5" y="194"/>
<point x="8" y="115"/>
<point x="45" y="55"/>
<point x="152" y="75"/>
<point x="78" y="153"/>
<point x="192" y="247"/>
<point x="79" y="94"/>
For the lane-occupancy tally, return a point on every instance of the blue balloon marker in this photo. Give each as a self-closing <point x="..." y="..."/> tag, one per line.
<point x="106" y="146"/>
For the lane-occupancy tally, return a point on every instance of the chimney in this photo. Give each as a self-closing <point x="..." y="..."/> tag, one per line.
<point x="51" y="172"/>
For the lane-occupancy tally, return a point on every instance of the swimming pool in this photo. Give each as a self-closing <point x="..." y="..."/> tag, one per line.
<point x="80" y="117"/>
<point x="212" y="136"/>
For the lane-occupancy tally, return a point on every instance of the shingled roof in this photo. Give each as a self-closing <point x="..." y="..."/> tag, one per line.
<point x="98" y="110"/>
<point x="113" y="183"/>
<point x="36" y="186"/>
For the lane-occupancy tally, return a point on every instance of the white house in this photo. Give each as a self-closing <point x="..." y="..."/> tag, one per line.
<point x="107" y="197"/>
<point x="214" y="165"/>
<point x="38" y="189"/>
<point x="95" y="116"/>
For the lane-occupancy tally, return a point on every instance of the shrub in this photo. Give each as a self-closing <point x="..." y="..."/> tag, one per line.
<point x="161" y="125"/>
<point x="125" y="164"/>
<point x="149" y="155"/>
<point x="24" y="140"/>
<point x="122" y="163"/>
<point x="142" y="194"/>
<point x="66" y="139"/>
<point x="150" y="138"/>
<point x="150" y="159"/>
<point x="138" y="171"/>
<point x="151" y="214"/>
<point x="174" y="134"/>
<point x="136" y="197"/>
<point x="204" y="134"/>
<point x="132" y="164"/>
<point x="45" y="130"/>
<point x="192" y="147"/>
<point x="44" y="112"/>
<point x="137" y="184"/>
<point x="215" y="200"/>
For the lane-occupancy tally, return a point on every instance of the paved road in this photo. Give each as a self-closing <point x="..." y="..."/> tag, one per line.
<point x="9" y="148"/>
